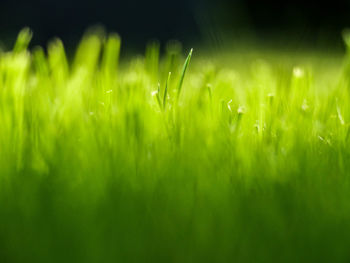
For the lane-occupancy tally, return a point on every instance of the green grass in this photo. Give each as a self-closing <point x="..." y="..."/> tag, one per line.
<point x="233" y="157"/>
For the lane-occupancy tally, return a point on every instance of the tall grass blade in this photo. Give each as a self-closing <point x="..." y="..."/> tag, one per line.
<point x="184" y="69"/>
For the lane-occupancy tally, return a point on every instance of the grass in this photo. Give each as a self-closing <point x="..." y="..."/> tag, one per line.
<point x="100" y="163"/>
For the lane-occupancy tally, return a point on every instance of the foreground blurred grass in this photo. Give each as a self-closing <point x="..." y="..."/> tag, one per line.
<point x="248" y="163"/>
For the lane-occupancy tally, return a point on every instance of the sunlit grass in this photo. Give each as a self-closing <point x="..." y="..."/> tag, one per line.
<point x="173" y="157"/>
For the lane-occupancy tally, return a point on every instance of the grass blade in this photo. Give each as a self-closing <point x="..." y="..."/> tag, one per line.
<point x="184" y="69"/>
<point x="23" y="40"/>
<point x="166" y="90"/>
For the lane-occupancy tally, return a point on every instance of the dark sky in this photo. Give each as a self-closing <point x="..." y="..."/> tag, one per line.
<point x="139" y="20"/>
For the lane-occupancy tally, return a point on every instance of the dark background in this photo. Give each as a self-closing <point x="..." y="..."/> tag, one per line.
<point x="187" y="20"/>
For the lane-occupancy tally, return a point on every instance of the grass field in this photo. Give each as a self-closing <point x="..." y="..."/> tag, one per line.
<point x="233" y="157"/>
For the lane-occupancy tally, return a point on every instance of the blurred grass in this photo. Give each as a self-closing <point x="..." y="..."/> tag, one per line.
<point x="249" y="164"/>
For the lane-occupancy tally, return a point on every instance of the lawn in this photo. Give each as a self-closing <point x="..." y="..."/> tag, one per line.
<point x="239" y="156"/>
